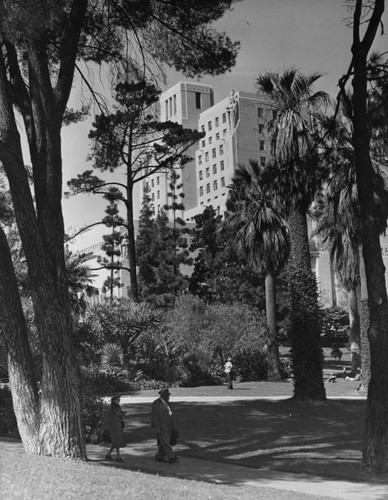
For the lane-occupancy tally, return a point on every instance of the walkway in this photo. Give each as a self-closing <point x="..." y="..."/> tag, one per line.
<point x="221" y="472"/>
<point x="204" y="470"/>
<point x="292" y="486"/>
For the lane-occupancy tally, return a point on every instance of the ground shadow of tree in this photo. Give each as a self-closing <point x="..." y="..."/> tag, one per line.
<point x="322" y="438"/>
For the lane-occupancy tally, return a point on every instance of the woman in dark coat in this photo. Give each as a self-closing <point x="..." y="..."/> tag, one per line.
<point x="114" y="423"/>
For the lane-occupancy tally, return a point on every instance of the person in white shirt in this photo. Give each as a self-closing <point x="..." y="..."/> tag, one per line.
<point x="228" y="369"/>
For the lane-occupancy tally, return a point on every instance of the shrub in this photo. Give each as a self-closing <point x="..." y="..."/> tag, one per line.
<point x="8" y="424"/>
<point x="335" y="326"/>
<point x="250" y="365"/>
<point x="206" y="334"/>
<point x="93" y="412"/>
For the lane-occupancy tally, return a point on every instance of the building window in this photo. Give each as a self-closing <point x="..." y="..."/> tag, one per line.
<point x="262" y="144"/>
<point x="214" y="169"/>
<point x="215" y="186"/>
<point x="157" y="180"/>
<point x="222" y="165"/>
<point x="170" y="101"/>
<point x="166" y="108"/>
<point x="214" y="153"/>
<point x="152" y="183"/>
<point x="262" y="161"/>
<point x="210" y="139"/>
<point x="200" y="175"/>
<point x="200" y="160"/>
<point x="223" y="117"/>
<point x="217" y="136"/>
<point x="158" y="195"/>
<point x="261" y="128"/>
<point x="174" y="104"/>
<point x="221" y="149"/>
<point x="203" y="143"/>
<point x="153" y="196"/>
<point x="201" y="191"/>
<point x="222" y="181"/>
<point x="260" y="112"/>
<point x="207" y="156"/>
<point x="198" y="100"/>
<point x="202" y="128"/>
<point x="207" y="188"/>
<point x="207" y="172"/>
<point x="209" y="125"/>
<point x="217" y="121"/>
<point x="224" y="132"/>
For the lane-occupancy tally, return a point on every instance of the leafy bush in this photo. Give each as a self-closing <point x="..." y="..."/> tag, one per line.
<point x="250" y="365"/>
<point x="8" y="424"/>
<point x="206" y="334"/>
<point x="335" y="326"/>
<point x="93" y="412"/>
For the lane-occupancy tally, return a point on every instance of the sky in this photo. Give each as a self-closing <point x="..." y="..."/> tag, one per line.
<point x="310" y="35"/>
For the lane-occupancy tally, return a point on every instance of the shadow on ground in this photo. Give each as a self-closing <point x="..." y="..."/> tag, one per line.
<point x="321" y="438"/>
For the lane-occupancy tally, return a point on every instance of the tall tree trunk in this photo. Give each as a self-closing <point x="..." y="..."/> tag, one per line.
<point x="354" y="331"/>
<point x="362" y="295"/>
<point x="306" y="350"/>
<point x="376" y="428"/>
<point x="42" y="234"/>
<point x="20" y="365"/>
<point x="273" y="363"/>
<point x="131" y="241"/>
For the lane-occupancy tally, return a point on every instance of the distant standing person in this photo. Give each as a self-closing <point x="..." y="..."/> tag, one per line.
<point x="162" y="421"/>
<point x="114" y="423"/>
<point x="228" y="369"/>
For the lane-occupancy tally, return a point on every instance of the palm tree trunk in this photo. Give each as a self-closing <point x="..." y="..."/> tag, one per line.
<point x="306" y="350"/>
<point x="354" y="331"/>
<point x="273" y="363"/>
<point x="364" y="327"/>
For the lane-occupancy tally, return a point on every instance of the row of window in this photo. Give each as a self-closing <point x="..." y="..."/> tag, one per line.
<point x="170" y="106"/>
<point x="207" y="171"/>
<point x="157" y="195"/>
<point x="216" y="123"/>
<point x="208" y="186"/>
<point x="153" y="181"/>
<point x="210" y="138"/>
<point x="214" y="154"/>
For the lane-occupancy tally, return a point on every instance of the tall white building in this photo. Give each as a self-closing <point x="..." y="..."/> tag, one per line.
<point x="183" y="103"/>
<point x="235" y="133"/>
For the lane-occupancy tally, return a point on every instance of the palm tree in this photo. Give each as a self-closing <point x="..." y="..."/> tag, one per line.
<point x="339" y="224"/>
<point x="297" y="176"/>
<point x="262" y="236"/>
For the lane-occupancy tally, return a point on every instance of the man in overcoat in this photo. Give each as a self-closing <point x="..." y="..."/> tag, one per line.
<point x="162" y="422"/>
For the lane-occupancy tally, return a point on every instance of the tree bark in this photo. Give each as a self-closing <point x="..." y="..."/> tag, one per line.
<point x="306" y="350"/>
<point x="52" y="424"/>
<point x="376" y="427"/>
<point x="354" y="331"/>
<point x="273" y="362"/>
<point x="131" y="240"/>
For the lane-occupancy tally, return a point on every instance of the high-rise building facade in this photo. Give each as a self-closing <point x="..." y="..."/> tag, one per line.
<point x="183" y="103"/>
<point x="235" y="133"/>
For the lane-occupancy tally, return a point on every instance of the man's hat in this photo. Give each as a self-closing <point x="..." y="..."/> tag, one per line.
<point x="164" y="392"/>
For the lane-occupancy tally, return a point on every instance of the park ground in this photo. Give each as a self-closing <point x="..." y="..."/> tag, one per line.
<point x="252" y="442"/>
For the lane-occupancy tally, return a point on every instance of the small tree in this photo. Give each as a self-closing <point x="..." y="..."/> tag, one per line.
<point x="221" y="272"/>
